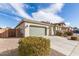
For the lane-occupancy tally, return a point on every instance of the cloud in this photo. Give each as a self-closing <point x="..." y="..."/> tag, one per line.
<point x="9" y="11"/>
<point x="7" y="8"/>
<point x="67" y="24"/>
<point x="3" y="26"/>
<point x="18" y="19"/>
<point x="42" y="16"/>
<point x="49" y="14"/>
<point x="19" y="9"/>
<point x="46" y="14"/>
<point x="54" y="8"/>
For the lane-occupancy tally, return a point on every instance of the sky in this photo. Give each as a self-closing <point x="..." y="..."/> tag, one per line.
<point x="12" y="13"/>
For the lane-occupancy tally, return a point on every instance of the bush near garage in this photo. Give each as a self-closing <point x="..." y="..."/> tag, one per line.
<point x="34" y="46"/>
<point x="68" y="33"/>
<point x="73" y="38"/>
<point x="58" y="33"/>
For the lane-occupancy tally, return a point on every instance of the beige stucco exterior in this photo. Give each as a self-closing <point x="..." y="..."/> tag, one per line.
<point x="21" y="29"/>
<point x="50" y="28"/>
<point x="26" y="26"/>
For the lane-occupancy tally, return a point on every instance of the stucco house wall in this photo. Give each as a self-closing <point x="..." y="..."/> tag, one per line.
<point x="20" y="31"/>
<point x="28" y="25"/>
<point x="25" y="26"/>
<point x="51" y="28"/>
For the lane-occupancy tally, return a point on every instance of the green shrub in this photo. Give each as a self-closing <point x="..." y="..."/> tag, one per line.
<point x="68" y="33"/>
<point x="34" y="46"/>
<point x="58" y="33"/>
<point x="73" y="38"/>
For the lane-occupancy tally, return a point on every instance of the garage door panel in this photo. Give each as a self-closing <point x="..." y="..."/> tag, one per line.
<point x="37" y="31"/>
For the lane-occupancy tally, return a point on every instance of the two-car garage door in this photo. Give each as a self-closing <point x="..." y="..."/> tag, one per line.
<point x="37" y="31"/>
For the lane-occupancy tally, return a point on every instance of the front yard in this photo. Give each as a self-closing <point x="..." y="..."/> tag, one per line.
<point x="9" y="47"/>
<point x="60" y="46"/>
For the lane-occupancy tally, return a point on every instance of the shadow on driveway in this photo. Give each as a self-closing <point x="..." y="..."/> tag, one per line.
<point x="56" y="53"/>
<point x="14" y="52"/>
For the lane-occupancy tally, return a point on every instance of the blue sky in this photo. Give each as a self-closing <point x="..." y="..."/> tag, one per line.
<point x="70" y="12"/>
<point x="12" y="14"/>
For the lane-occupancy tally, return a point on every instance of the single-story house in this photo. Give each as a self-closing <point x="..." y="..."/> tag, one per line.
<point x="33" y="28"/>
<point x="37" y="28"/>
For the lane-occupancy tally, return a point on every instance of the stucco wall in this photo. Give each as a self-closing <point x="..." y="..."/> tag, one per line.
<point x="29" y="24"/>
<point x="27" y="29"/>
<point x="20" y="30"/>
<point x="52" y="31"/>
<point x="24" y="28"/>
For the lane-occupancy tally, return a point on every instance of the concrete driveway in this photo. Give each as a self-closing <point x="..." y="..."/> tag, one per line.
<point x="7" y="44"/>
<point x="62" y="45"/>
<point x="8" y="47"/>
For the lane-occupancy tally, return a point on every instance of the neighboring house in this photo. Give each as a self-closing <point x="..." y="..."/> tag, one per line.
<point x="62" y="27"/>
<point x="39" y="28"/>
<point x="7" y="32"/>
<point x="76" y="30"/>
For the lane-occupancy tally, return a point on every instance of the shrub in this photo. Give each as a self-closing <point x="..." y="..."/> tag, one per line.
<point x="73" y="38"/>
<point x="58" y="33"/>
<point x="34" y="46"/>
<point x="68" y="33"/>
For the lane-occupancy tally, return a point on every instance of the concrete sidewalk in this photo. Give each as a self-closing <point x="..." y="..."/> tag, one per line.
<point x="62" y="45"/>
